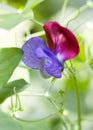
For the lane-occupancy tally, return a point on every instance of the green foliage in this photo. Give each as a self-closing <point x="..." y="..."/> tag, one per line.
<point x="32" y="3"/>
<point x="9" y="21"/>
<point x="82" y="54"/>
<point x="91" y="63"/>
<point x="9" y="59"/>
<point x="59" y="98"/>
<point x="14" y="3"/>
<point x="8" y="89"/>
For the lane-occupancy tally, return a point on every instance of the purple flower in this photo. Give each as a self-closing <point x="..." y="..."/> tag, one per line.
<point x="50" y="60"/>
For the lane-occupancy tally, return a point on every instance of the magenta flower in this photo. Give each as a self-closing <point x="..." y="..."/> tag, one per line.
<point x="62" y="44"/>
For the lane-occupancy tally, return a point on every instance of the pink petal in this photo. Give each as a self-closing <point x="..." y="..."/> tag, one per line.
<point x="61" y="41"/>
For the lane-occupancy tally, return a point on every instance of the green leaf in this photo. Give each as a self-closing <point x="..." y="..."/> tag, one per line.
<point x="9" y="21"/>
<point x="9" y="59"/>
<point x="8" y="89"/>
<point x="33" y="3"/>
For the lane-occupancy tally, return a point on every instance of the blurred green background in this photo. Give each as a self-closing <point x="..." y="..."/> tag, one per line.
<point x="40" y="105"/>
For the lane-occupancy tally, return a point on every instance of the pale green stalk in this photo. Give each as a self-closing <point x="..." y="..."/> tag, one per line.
<point x="64" y="8"/>
<point x="35" y="34"/>
<point x="77" y="97"/>
<point x="78" y="104"/>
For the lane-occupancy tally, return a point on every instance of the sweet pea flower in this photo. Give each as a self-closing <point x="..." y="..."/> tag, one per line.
<point x="62" y="46"/>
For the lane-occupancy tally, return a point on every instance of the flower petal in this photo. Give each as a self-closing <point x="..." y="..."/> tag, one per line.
<point x="61" y="41"/>
<point x="29" y="49"/>
<point x="38" y="56"/>
<point x="49" y="65"/>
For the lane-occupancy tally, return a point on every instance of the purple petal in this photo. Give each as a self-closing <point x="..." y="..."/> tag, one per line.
<point x="38" y="56"/>
<point x="29" y="49"/>
<point x="49" y="65"/>
<point x="61" y="40"/>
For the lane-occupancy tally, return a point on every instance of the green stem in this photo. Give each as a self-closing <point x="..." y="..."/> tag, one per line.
<point x="78" y="104"/>
<point x="77" y="96"/>
<point x="40" y="33"/>
<point x="37" y="22"/>
<point x="12" y="105"/>
<point x="64" y="7"/>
